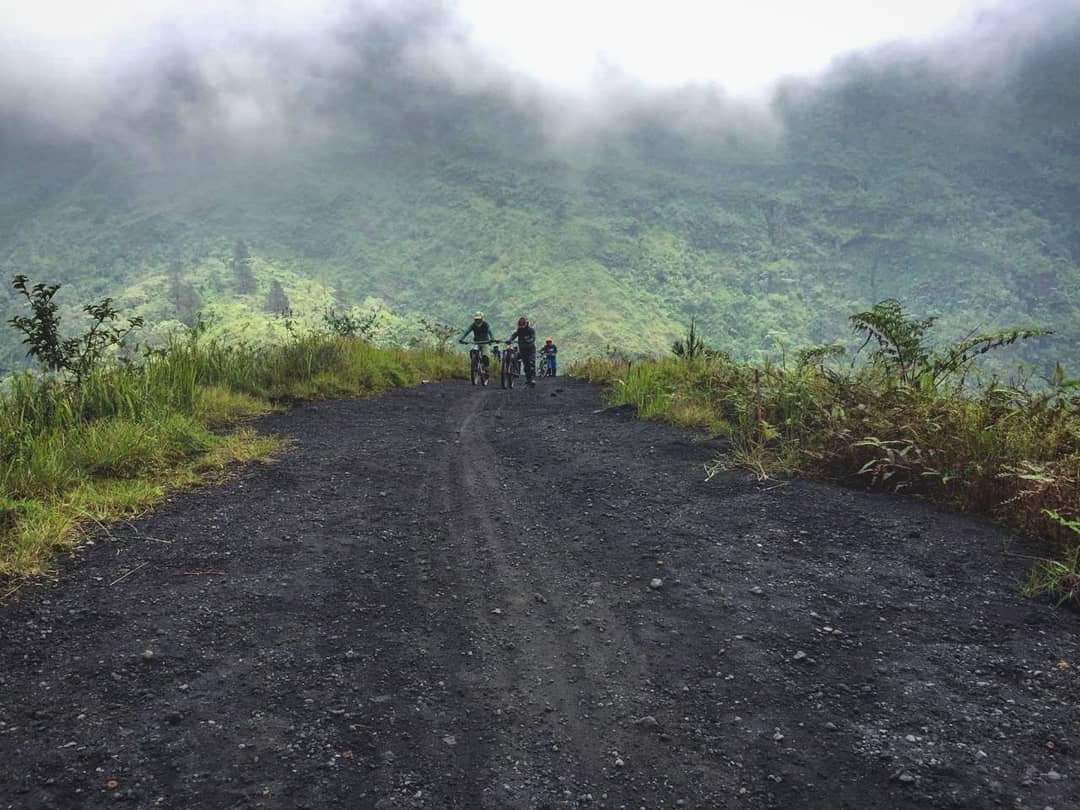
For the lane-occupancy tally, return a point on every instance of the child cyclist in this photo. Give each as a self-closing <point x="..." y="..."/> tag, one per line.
<point x="548" y="352"/>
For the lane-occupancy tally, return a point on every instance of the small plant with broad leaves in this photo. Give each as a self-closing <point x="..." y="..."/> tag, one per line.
<point x="76" y="356"/>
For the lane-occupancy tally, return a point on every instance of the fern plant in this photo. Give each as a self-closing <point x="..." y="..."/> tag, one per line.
<point x="904" y="350"/>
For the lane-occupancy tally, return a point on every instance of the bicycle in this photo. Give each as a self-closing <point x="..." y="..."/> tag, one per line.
<point x="509" y="368"/>
<point x="547" y="366"/>
<point x="478" y="364"/>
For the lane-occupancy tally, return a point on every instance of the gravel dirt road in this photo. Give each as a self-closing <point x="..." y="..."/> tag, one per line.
<point x="451" y="597"/>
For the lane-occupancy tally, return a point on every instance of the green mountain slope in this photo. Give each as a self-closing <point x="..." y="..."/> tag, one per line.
<point x="893" y="177"/>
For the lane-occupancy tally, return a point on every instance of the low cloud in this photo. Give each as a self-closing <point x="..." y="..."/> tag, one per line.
<point x="206" y="78"/>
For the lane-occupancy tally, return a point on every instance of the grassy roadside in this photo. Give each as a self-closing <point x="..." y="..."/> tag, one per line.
<point x="110" y="447"/>
<point x="1003" y="450"/>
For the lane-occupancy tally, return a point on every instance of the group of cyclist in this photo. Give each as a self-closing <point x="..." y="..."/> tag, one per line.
<point x="483" y="336"/>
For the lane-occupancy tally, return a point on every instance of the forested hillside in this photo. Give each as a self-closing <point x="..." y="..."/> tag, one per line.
<point x="896" y="175"/>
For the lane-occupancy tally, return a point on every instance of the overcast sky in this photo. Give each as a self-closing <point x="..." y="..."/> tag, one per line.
<point x="208" y="67"/>
<point x="743" y="45"/>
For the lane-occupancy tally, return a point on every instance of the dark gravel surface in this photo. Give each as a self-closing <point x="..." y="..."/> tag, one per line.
<point x="448" y="597"/>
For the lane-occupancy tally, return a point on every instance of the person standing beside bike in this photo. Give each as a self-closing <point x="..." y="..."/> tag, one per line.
<point x="482" y="336"/>
<point x="549" y="351"/>
<point x="526" y="340"/>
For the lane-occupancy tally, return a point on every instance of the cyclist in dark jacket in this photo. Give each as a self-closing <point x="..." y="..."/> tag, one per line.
<point x="482" y="335"/>
<point x="526" y="340"/>
<point x="548" y="352"/>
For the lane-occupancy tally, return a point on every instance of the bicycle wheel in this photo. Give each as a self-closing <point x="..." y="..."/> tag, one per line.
<point x="472" y="370"/>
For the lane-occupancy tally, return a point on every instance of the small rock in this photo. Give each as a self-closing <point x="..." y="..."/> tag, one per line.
<point x="648" y="721"/>
<point x="656" y="583"/>
<point x="757" y="590"/>
<point x="799" y="656"/>
<point x="906" y="777"/>
<point x="831" y="726"/>
<point x="497" y="611"/>
<point x="778" y="736"/>
<point x="619" y="763"/>
<point x="148" y="655"/>
<point x="910" y="738"/>
<point x="450" y="739"/>
<point x="1053" y="776"/>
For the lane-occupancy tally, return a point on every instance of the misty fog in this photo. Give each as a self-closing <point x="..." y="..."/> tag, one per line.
<point x="216" y="76"/>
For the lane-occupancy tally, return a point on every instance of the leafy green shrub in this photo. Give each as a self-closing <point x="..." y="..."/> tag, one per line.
<point x="345" y="324"/>
<point x="78" y="356"/>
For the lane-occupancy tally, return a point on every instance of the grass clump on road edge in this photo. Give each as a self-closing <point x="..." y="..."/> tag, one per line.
<point x="109" y="442"/>
<point x="908" y="419"/>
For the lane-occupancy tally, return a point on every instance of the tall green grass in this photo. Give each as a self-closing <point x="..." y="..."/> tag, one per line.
<point x="73" y="455"/>
<point x="1012" y="451"/>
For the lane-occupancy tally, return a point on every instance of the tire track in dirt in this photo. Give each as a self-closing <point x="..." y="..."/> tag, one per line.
<point x="528" y="609"/>
<point x="566" y="670"/>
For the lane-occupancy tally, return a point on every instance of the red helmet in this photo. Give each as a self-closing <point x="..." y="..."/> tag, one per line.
<point x="523" y="322"/>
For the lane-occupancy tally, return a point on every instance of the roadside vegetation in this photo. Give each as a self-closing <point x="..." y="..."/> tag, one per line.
<point x="101" y="431"/>
<point x="904" y="417"/>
